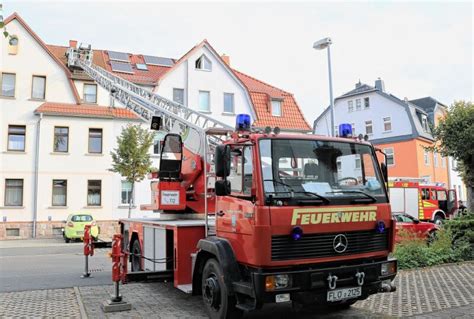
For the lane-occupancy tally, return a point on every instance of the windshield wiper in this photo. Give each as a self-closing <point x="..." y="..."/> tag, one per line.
<point x="372" y="198"/>
<point x="292" y="191"/>
<point x="321" y="197"/>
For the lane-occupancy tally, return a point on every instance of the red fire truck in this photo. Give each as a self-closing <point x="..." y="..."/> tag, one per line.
<point x="249" y="217"/>
<point x="427" y="202"/>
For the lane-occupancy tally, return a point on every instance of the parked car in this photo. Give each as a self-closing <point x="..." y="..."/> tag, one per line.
<point x="75" y="224"/>
<point x="411" y="224"/>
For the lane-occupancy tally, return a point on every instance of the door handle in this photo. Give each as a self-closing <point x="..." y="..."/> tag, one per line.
<point x="220" y="213"/>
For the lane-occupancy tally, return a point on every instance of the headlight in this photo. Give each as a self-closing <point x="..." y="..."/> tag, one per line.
<point x="274" y="282"/>
<point x="388" y="268"/>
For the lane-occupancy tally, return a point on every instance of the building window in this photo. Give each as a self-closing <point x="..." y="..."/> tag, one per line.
<point x="90" y="93"/>
<point x="353" y="129"/>
<point x="424" y="123"/>
<point x="366" y="102"/>
<point x="13" y="45"/>
<point x="276" y="107"/>
<point x="229" y="103"/>
<point x="368" y="127"/>
<point x="95" y="140"/>
<point x="435" y="159"/>
<point x="390" y="156"/>
<point x="336" y="130"/>
<point x="357" y="163"/>
<point x="358" y="105"/>
<point x="205" y="101"/>
<point x="59" y="192"/>
<point x="8" y="84"/>
<point x="178" y="96"/>
<point x="443" y="161"/>
<point x="94" y="192"/>
<point x="16" y="137"/>
<point x="426" y="157"/>
<point x="38" y="87"/>
<point x="61" y="139"/>
<point x="126" y="193"/>
<point x="203" y="63"/>
<point x="387" y="124"/>
<point x="350" y="106"/>
<point x="13" y="192"/>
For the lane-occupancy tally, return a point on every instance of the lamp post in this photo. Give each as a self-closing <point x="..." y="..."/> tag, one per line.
<point x="321" y="45"/>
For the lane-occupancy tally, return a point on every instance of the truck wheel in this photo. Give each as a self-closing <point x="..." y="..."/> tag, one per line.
<point x="136" y="256"/>
<point x="218" y="303"/>
<point x="438" y="220"/>
<point x="67" y="240"/>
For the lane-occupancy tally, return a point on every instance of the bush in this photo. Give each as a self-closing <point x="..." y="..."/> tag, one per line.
<point x="453" y="243"/>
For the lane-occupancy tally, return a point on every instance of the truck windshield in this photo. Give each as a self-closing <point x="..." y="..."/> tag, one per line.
<point x="339" y="172"/>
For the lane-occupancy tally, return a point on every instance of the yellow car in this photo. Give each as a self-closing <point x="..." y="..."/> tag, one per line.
<point x="75" y="225"/>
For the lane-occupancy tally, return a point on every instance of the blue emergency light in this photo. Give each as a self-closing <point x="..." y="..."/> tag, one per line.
<point x="242" y="122"/>
<point x="345" y="130"/>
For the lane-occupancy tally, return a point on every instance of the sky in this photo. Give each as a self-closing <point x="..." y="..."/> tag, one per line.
<point x="418" y="48"/>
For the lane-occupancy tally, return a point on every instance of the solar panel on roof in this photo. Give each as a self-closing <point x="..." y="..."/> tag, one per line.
<point x="124" y="67"/>
<point x="156" y="60"/>
<point x="141" y="66"/>
<point x="118" y="56"/>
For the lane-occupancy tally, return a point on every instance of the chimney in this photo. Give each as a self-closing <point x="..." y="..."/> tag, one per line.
<point x="358" y="84"/>
<point x="380" y="85"/>
<point x="226" y="59"/>
<point x="73" y="43"/>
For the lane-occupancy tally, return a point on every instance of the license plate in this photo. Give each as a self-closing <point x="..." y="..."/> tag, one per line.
<point x="344" y="293"/>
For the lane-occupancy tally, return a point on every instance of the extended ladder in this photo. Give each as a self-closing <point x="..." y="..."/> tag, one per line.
<point x="175" y="117"/>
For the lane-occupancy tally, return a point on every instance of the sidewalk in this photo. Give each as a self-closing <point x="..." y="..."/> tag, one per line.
<point x="437" y="292"/>
<point x="22" y="243"/>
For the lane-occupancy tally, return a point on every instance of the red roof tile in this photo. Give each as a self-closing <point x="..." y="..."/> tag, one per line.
<point x="85" y="110"/>
<point x="261" y="94"/>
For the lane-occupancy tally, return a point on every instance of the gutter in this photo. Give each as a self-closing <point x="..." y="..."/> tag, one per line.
<point x="35" y="190"/>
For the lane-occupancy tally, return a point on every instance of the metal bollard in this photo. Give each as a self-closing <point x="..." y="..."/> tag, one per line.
<point x="119" y="272"/>
<point x="88" y="250"/>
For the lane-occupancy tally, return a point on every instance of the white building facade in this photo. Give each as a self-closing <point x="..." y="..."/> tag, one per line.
<point x="58" y="127"/>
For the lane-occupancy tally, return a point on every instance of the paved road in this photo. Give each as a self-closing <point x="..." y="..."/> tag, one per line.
<point x="47" y="264"/>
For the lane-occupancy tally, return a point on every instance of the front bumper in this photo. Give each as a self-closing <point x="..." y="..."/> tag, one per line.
<point x="310" y="285"/>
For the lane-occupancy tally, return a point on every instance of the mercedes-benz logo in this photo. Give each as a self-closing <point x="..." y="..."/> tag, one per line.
<point x="340" y="243"/>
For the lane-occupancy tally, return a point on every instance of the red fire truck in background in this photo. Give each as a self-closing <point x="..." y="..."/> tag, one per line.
<point x="426" y="202"/>
<point x="249" y="217"/>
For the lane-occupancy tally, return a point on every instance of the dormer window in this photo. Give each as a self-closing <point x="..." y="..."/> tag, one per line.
<point x="276" y="107"/>
<point x="13" y="45"/>
<point x="203" y="63"/>
<point x="424" y="123"/>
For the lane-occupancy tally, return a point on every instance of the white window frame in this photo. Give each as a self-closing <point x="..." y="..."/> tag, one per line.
<point x="1" y="84"/>
<point x="387" y="121"/>
<point x="353" y="127"/>
<point x="233" y="103"/>
<point x="390" y="151"/>
<point x="371" y="124"/>
<point x="202" y="66"/>
<point x="273" y="107"/>
<point x="181" y="90"/>
<point x="84" y="93"/>
<point x="443" y="161"/>
<point x="358" y="105"/>
<point x="43" y="97"/>
<point x="366" y="105"/>
<point x="208" y="100"/>
<point x="130" y="193"/>
<point x="350" y="106"/>
<point x="426" y="158"/>
<point x="435" y="159"/>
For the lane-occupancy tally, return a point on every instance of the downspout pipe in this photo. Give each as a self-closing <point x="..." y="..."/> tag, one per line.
<point x="35" y="191"/>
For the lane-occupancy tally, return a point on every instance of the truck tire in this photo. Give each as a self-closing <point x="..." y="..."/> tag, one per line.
<point x="136" y="256"/>
<point x="218" y="303"/>
<point x="438" y="220"/>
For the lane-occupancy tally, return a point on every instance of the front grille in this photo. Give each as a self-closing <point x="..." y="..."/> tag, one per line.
<point x="321" y="245"/>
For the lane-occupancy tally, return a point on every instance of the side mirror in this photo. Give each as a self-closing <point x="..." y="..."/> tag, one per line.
<point x="222" y="161"/>
<point x="384" y="169"/>
<point x="222" y="188"/>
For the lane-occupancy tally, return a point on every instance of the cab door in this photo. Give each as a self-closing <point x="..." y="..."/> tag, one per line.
<point x="235" y="212"/>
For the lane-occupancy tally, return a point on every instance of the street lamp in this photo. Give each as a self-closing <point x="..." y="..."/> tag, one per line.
<point x="321" y="45"/>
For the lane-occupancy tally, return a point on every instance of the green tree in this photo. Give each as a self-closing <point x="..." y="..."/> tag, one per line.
<point x="455" y="137"/>
<point x="131" y="158"/>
